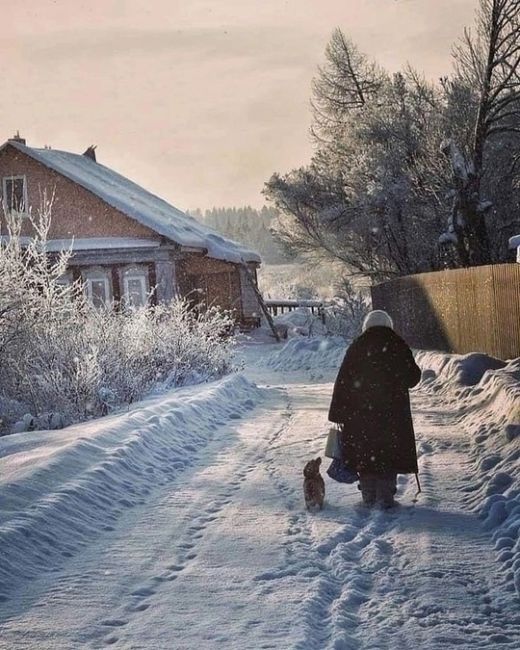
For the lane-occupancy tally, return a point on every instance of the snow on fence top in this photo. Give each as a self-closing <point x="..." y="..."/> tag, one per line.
<point x="514" y="242"/>
<point x="139" y="204"/>
<point x="282" y="302"/>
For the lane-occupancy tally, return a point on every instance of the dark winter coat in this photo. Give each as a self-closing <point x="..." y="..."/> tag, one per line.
<point x="371" y="400"/>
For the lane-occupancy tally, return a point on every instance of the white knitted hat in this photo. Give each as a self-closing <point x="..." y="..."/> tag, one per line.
<point x="377" y="318"/>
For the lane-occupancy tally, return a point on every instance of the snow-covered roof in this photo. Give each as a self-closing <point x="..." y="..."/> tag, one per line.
<point x="139" y="204"/>
<point x="90" y="243"/>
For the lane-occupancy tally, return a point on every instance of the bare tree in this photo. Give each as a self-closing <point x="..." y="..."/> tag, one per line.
<point x="346" y="82"/>
<point x="488" y="62"/>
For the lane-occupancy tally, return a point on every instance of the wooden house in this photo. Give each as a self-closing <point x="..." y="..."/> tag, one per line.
<point x="127" y="244"/>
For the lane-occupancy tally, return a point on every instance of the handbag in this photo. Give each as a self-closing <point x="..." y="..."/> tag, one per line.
<point x="332" y="446"/>
<point x="341" y="473"/>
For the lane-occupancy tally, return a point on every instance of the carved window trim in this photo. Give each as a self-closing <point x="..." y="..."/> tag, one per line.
<point x="135" y="273"/>
<point x="7" y="196"/>
<point x="100" y="275"/>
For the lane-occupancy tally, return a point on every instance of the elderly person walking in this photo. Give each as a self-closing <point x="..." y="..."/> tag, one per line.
<point x="371" y="403"/>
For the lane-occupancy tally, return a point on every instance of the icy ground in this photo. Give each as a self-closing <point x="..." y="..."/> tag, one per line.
<point x="181" y="524"/>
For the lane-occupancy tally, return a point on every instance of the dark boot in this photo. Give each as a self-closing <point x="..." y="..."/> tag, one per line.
<point x="368" y="487"/>
<point x="386" y="487"/>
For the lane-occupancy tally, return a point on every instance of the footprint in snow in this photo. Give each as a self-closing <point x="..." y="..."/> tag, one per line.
<point x="143" y="592"/>
<point x="114" y="622"/>
<point x="141" y="607"/>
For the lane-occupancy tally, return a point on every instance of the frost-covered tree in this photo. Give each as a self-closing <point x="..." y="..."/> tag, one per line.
<point x="483" y="149"/>
<point x="372" y="196"/>
<point x="345" y="314"/>
<point x="347" y="82"/>
<point x="377" y="194"/>
<point x="249" y="226"/>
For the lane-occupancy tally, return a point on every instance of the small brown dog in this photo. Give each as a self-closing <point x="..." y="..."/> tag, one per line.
<point x="313" y="485"/>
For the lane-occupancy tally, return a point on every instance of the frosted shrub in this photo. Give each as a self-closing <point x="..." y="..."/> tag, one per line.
<point x="62" y="361"/>
<point x="345" y="315"/>
<point x="167" y="345"/>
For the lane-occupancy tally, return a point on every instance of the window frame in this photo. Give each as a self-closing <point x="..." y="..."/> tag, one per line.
<point x="140" y="273"/>
<point x="15" y="177"/>
<point x="99" y="274"/>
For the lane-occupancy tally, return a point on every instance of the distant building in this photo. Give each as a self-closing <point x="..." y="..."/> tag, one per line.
<point x="125" y="241"/>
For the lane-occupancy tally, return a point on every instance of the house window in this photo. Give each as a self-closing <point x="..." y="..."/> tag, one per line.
<point x="15" y="193"/>
<point x="98" y="286"/>
<point x="135" y="286"/>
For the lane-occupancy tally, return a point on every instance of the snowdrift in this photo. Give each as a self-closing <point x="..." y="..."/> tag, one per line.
<point x="486" y="391"/>
<point x="59" y="489"/>
<point x="464" y="369"/>
<point x="317" y="353"/>
<point x="301" y="322"/>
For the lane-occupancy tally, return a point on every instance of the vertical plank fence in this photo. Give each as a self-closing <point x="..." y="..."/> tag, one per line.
<point x="462" y="310"/>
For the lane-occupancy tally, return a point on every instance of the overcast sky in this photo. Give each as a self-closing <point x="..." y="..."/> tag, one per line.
<point x="197" y="100"/>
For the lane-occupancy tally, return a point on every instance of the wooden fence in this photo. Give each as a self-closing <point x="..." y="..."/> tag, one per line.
<point x="464" y="310"/>
<point x="276" y="307"/>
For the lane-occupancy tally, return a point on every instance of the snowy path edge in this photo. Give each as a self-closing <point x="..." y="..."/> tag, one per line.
<point x="65" y="499"/>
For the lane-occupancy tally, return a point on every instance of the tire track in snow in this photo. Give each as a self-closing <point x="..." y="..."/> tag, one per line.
<point x="238" y="462"/>
<point x="299" y="561"/>
<point x="107" y="467"/>
<point x="184" y="553"/>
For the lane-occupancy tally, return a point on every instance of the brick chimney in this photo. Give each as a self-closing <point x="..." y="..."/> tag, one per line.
<point x="91" y="152"/>
<point x="17" y="138"/>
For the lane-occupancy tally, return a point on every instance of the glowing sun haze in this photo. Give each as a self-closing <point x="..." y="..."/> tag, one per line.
<point x="197" y="100"/>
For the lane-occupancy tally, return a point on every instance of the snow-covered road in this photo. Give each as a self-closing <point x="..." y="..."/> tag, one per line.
<point x="223" y="554"/>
